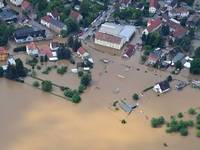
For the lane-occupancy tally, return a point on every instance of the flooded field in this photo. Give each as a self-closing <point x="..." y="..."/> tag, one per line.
<point x="34" y="120"/>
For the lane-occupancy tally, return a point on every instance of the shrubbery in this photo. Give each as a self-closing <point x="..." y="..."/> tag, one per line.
<point x="156" y="122"/>
<point x="47" y="86"/>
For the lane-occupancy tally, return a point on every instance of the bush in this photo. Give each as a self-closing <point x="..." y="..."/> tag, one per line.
<point x="192" y="111"/>
<point x="180" y="115"/>
<point x="156" y="122"/>
<point x="76" y="97"/>
<point x="36" y="84"/>
<point x="81" y="88"/>
<point x="62" y="70"/>
<point x="20" y="49"/>
<point x="47" y="86"/>
<point x="68" y="93"/>
<point x="1" y="72"/>
<point x="198" y="126"/>
<point x="184" y="131"/>
<point x="135" y="97"/>
<point x="198" y="133"/>
<point x="38" y="67"/>
<point x="80" y="73"/>
<point x="86" y="79"/>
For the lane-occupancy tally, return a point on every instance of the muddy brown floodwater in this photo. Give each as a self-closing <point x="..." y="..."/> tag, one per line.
<point x="34" y="120"/>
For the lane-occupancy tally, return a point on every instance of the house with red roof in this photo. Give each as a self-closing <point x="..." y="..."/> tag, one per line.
<point x="153" y="6"/>
<point x="153" y="25"/>
<point x="32" y="49"/>
<point x="81" y="52"/>
<point x="26" y="6"/>
<point x="76" y="15"/>
<point x="129" y="51"/>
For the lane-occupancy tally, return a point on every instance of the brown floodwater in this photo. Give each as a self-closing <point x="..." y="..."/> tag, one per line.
<point x="34" y="120"/>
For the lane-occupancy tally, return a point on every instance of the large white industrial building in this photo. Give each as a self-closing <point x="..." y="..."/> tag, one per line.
<point x="113" y="35"/>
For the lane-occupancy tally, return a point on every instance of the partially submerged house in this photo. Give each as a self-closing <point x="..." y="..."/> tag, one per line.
<point x="129" y="51"/>
<point x="162" y="87"/>
<point x="154" y="57"/>
<point x="32" y="49"/>
<point x="29" y="34"/>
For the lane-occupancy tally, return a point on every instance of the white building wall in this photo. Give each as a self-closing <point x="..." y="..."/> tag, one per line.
<point x="108" y="44"/>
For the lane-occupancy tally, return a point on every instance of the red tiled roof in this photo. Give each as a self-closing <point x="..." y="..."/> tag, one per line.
<point x="153" y="3"/>
<point x="130" y="50"/>
<point x="179" y="32"/>
<point x="108" y="38"/>
<point x="26" y="5"/>
<point x="74" y="14"/>
<point x="46" y="18"/>
<point x="32" y="45"/>
<point x="46" y="51"/>
<point x="153" y="24"/>
<point x="81" y="50"/>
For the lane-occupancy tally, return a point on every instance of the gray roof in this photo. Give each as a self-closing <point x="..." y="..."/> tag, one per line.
<point x="178" y="57"/>
<point x="7" y="14"/>
<point x="57" y="23"/>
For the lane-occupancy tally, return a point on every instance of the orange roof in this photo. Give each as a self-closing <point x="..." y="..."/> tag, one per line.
<point x="153" y="3"/>
<point x="108" y="38"/>
<point x="26" y="5"/>
<point x="46" y="18"/>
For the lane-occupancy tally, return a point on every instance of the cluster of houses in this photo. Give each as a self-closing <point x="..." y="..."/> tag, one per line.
<point x="166" y="58"/>
<point x="50" y="51"/>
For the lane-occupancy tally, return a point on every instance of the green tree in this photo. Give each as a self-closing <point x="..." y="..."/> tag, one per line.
<point x="197" y="53"/>
<point x="11" y="72"/>
<point x="195" y="66"/>
<point x="156" y="122"/>
<point x="76" y="97"/>
<point x="86" y="79"/>
<point x="47" y="86"/>
<point x="178" y="65"/>
<point x="192" y="111"/>
<point x="72" y="25"/>
<point x="165" y="30"/>
<point x="36" y="84"/>
<point x="1" y="72"/>
<point x="70" y="41"/>
<point x="135" y="96"/>
<point x="21" y="72"/>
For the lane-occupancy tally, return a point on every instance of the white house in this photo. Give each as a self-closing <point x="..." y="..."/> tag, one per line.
<point x="32" y="49"/>
<point x="16" y="2"/>
<point x="162" y="87"/>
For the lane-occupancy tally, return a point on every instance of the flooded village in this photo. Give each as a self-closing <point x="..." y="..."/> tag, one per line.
<point x="126" y="77"/>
